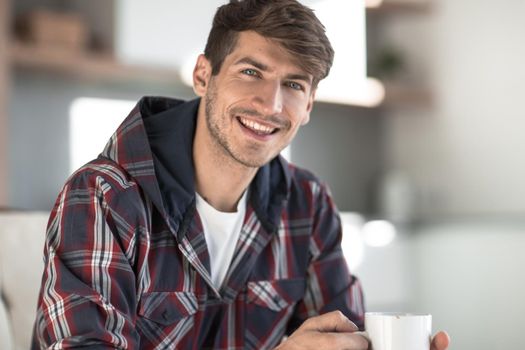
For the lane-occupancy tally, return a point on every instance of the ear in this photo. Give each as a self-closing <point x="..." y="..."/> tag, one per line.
<point x="201" y="75"/>
<point x="309" y="107"/>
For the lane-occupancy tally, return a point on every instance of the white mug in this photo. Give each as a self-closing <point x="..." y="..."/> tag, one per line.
<point x="398" y="331"/>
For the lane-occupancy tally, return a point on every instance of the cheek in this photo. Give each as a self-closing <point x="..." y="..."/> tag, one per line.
<point x="239" y="88"/>
<point x="297" y="103"/>
<point x="232" y="94"/>
<point x="298" y="114"/>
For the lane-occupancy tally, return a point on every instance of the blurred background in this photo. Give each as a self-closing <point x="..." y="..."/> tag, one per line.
<point x="422" y="152"/>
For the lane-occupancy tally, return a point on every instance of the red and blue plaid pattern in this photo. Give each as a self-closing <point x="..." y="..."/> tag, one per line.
<point x="120" y="272"/>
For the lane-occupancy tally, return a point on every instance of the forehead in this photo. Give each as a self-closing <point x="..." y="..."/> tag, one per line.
<point x="267" y="51"/>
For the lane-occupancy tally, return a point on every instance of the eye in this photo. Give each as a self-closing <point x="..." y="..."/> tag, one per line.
<point x="295" y="86"/>
<point x="250" y="71"/>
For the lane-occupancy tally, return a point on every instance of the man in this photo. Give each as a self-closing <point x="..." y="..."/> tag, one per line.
<point x="190" y="231"/>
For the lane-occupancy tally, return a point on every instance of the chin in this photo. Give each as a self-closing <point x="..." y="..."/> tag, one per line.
<point x="254" y="162"/>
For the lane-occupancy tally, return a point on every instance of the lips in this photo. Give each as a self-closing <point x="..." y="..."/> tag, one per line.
<point x="256" y="127"/>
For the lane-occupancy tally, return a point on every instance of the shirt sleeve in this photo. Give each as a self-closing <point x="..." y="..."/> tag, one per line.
<point x="88" y="291"/>
<point x="330" y="285"/>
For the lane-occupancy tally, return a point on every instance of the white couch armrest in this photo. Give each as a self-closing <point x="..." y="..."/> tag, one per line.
<point x="22" y="237"/>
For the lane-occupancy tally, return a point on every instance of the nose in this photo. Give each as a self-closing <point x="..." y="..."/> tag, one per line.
<point x="268" y="98"/>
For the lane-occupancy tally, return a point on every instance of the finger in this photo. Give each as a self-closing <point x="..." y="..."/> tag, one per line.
<point x="353" y="341"/>
<point x="441" y="341"/>
<point x="333" y="321"/>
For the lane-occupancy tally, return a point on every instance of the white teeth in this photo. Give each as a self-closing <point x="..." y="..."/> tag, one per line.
<point x="256" y="126"/>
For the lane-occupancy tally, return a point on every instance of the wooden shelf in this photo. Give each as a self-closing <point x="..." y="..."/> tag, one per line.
<point x="86" y="66"/>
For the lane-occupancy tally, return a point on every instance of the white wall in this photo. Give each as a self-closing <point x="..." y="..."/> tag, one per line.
<point x="387" y="277"/>
<point x="470" y="277"/>
<point x="466" y="153"/>
<point x="162" y="36"/>
<point x="467" y="274"/>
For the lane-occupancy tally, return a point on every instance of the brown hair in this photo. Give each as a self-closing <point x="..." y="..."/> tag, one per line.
<point x="289" y="23"/>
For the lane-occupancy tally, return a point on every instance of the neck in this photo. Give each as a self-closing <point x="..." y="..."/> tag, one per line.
<point x="219" y="178"/>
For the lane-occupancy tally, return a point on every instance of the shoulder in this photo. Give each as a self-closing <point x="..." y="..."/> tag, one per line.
<point x="307" y="192"/>
<point x="104" y="182"/>
<point x="101" y="171"/>
<point x="304" y="182"/>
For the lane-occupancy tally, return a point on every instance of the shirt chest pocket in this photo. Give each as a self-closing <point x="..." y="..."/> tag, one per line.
<point x="276" y="295"/>
<point x="167" y="308"/>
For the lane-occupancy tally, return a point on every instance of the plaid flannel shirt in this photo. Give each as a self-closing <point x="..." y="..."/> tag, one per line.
<point x="126" y="263"/>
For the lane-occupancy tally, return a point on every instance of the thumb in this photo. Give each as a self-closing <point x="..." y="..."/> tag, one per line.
<point x="441" y="341"/>
<point x="334" y="321"/>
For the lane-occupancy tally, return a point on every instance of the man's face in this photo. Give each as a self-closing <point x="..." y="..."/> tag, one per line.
<point x="257" y="102"/>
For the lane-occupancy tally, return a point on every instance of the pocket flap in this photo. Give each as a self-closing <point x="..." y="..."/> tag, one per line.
<point x="167" y="307"/>
<point x="276" y="294"/>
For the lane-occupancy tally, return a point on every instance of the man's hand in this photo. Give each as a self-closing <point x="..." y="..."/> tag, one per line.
<point x="440" y="341"/>
<point x="329" y="331"/>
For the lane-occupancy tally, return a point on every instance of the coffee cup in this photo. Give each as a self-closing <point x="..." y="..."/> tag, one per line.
<point x="398" y="331"/>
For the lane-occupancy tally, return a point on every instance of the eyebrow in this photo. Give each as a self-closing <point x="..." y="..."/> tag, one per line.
<point x="265" y="68"/>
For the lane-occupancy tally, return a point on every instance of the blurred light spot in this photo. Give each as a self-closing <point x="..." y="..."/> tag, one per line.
<point x="287" y="153"/>
<point x="352" y="242"/>
<point x="186" y="71"/>
<point x="376" y="92"/>
<point x="373" y="3"/>
<point x="378" y="233"/>
<point x="345" y="23"/>
<point x="92" y="122"/>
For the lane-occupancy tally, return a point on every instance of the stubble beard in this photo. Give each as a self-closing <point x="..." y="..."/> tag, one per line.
<point x="218" y="133"/>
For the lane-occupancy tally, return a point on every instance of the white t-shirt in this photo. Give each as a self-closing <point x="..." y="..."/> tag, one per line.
<point x="221" y="231"/>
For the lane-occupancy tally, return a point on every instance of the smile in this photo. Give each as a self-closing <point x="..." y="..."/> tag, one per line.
<point x="256" y="127"/>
